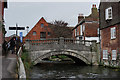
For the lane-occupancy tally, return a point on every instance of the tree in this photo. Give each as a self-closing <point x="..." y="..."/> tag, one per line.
<point x="60" y="29"/>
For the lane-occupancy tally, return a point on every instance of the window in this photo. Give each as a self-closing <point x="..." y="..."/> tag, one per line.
<point x="76" y="32"/>
<point x="42" y="35"/>
<point x="34" y="33"/>
<point x="81" y="32"/>
<point x="98" y="31"/>
<point x="49" y="33"/>
<point x="83" y="27"/>
<point x="113" y="33"/>
<point x="105" y="54"/>
<point x="42" y="25"/>
<point x="108" y="13"/>
<point x="114" y="54"/>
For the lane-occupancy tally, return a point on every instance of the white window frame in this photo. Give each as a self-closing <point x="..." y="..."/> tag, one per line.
<point x="108" y="16"/>
<point x="75" y="33"/>
<point x="83" y="28"/>
<point x="105" y="54"/>
<point x="113" y="32"/>
<point x="98" y="31"/>
<point x="81" y="32"/>
<point x="114" y="54"/>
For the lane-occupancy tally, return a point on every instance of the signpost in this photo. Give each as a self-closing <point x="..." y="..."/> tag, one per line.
<point x="17" y="28"/>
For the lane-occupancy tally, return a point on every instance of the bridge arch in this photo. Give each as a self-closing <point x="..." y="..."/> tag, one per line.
<point x="76" y="56"/>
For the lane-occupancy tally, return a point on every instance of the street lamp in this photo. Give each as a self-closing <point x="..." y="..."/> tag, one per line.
<point x="27" y="29"/>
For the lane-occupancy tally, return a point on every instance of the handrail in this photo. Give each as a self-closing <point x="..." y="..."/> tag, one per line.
<point x="21" y="68"/>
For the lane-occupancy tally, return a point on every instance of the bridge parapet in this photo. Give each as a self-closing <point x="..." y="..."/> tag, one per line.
<point x="59" y="44"/>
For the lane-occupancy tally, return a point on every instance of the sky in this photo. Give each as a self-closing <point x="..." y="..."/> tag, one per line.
<point x="29" y="13"/>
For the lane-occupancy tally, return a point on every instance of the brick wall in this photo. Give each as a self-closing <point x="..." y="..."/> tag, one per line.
<point x="110" y="44"/>
<point x="91" y="29"/>
<point x="37" y="28"/>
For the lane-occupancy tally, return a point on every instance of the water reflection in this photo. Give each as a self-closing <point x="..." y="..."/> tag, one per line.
<point x="72" y="71"/>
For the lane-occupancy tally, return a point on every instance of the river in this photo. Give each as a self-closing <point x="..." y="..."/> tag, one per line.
<point x="72" y="71"/>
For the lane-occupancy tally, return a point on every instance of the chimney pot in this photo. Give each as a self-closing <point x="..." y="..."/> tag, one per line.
<point x="93" y="5"/>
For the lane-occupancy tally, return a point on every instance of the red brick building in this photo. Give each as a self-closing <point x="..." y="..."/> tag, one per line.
<point x="40" y="31"/>
<point x="110" y="32"/>
<point x="43" y="30"/>
<point x="89" y="28"/>
<point x="2" y="27"/>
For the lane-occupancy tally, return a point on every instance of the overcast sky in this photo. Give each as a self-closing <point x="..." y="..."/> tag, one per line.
<point x="29" y="13"/>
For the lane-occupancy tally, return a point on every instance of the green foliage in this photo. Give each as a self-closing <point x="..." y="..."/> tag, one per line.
<point x="54" y="57"/>
<point x="27" y="62"/>
<point x="63" y="56"/>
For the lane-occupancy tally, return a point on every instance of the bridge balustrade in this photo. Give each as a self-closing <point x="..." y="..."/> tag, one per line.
<point x="60" y="43"/>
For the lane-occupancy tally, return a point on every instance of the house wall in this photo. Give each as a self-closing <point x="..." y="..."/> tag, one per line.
<point x="115" y="13"/>
<point x="91" y="29"/>
<point x="38" y="29"/>
<point x="90" y="26"/>
<point x="110" y="44"/>
<point x="106" y="41"/>
<point x="105" y="28"/>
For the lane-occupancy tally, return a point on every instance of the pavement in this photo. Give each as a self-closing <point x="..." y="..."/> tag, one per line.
<point x="9" y="67"/>
<point x="0" y="67"/>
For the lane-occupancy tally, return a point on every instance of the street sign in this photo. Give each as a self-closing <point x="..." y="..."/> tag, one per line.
<point x="21" y="37"/>
<point x="16" y="28"/>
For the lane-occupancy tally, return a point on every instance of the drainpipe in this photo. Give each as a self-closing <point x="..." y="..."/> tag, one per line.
<point x="99" y="36"/>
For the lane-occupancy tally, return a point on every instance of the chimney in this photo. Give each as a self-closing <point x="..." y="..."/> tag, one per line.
<point x="80" y="17"/>
<point x="94" y="9"/>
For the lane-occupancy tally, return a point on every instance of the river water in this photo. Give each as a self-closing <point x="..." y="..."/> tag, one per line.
<point x="73" y="71"/>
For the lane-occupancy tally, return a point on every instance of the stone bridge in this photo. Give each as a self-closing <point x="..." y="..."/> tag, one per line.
<point x="78" y="50"/>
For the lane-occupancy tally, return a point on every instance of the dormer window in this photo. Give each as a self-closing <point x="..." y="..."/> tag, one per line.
<point x="42" y="25"/>
<point x="108" y="13"/>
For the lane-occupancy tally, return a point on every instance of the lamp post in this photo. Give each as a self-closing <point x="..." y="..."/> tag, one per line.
<point x="27" y="29"/>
